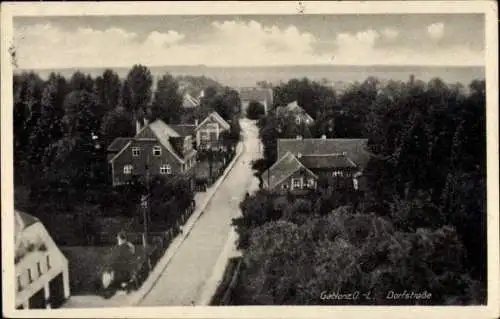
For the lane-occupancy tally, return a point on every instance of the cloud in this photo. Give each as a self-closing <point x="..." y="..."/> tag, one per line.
<point x="225" y="43"/>
<point x="390" y="33"/>
<point x="436" y="30"/>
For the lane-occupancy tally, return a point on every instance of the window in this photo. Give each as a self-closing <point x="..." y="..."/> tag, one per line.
<point x="19" y="284"/>
<point x="284" y="186"/>
<point x="165" y="169"/>
<point x="127" y="169"/>
<point x="295" y="183"/>
<point x="157" y="151"/>
<point x="136" y="151"/>
<point x="310" y="183"/>
<point x="336" y="173"/>
<point x="297" y="120"/>
<point x="39" y="268"/>
<point x="48" y="262"/>
<point x="30" y="276"/>
<point x="205" y="136"/>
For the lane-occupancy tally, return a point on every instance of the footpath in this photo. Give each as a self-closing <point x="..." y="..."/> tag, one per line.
<point x="122" y="299"/>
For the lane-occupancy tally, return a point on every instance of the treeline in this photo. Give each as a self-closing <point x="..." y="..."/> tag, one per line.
<point x="422" y="222"/>
<point x="63" y="126"/>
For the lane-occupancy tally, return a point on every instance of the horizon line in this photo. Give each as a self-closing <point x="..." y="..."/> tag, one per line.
<point x="254" y="66"/>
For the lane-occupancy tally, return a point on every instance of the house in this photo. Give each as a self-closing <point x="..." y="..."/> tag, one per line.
<point x="289" y="174"/>
<point x="209" y="131"/>
<point x="333" y="159"/>
<point x="263" y="96"/>
<point x="42" y="276"/>
<point x="295" y="110"/>
<point x="156" y="149"/>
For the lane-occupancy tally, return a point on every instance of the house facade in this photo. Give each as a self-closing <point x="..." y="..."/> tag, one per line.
<point x="208" y="132"/>
<point x="288" y="174"/>
<point x="248" y="95"/>
<point x="42" y="276"/>
<point x="339" y="162"/>
<point x="157" y="149"/>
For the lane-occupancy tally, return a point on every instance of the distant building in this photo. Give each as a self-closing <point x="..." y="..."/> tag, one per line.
<point x="301" y="163"/>
<point x="42" y="276"/>
<point x="295" y="110"/>
<point x="156" y="149"/>
<point x="209" y="131"/>
<point x="263" y="96"/>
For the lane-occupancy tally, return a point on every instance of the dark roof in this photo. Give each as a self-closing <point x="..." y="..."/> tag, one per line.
<point x="184" y="129"/>
<point x="283" y="168"/>
<point x="354" y="149"/>
<point x="327" y="161"/>
<point x="177" y="143"/>
<point x="118" y="144"/>
<point x="256" y="94"/>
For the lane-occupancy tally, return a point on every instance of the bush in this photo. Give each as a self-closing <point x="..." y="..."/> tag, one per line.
<point x="255" y="110"/>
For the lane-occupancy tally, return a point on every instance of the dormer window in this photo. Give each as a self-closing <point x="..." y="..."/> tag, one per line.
<point x="136" y="151"/>
<point x="127" y="169"/>
<point x="157" y="151"/>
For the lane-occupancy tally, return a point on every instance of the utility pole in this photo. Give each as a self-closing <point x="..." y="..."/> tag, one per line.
<point x="146" y="207"/>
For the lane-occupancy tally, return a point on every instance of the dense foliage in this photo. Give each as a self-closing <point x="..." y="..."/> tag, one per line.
<point x="62" y="128"/>
<point x="255" y="110"/>
<point x="421" y="225"/>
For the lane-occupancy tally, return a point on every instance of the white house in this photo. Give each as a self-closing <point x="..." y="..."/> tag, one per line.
<point x="42" y="276"/>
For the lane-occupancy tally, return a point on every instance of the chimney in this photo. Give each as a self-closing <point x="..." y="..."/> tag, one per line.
<point x="344" y="153"/>
<point x="299" y="155"/>
<point x="323" y="137"/>
<point x="196" y="122"/>
<point x="299" y="137"/>
<point x="146" y="122"/>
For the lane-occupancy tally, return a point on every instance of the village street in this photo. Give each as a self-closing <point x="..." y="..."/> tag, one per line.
<point x="183" y="281"/>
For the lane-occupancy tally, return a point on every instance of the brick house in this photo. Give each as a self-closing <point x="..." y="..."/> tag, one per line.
<point x="295" y="110"/>
<point x="302" y="162"/>
<point x="156" y="149"/>
<point x="209" y="131"/>
<point x="42" y="275"/>
<point x="263" y="96"/>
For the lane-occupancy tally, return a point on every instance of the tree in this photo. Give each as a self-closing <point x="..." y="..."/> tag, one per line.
<point x="167" y="102"/>
<point x="137" y="91"/>
<point x="255" y="110"/>
<point x="117" y="123"/>
<point x="108" y="89"/>
<point x="80" y="81"/>
<point x="290" y="264"/>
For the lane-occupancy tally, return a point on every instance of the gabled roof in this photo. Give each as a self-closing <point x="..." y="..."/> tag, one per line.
<point x="215" y="116"/>
<point x="256" y="94"/>
<point x="355" y="149"/>
<point x="184" y="129"/>
<point x="22" y="221"/>
<point x="282" y="169"/>
<point x="327" y="161"/>
<point x="189" y="101"/>
<point x="159" y="131"/>
<point x="118" y="144"/>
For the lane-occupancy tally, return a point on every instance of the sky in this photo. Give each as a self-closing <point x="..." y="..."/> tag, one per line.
<point x="263" y="40"/>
